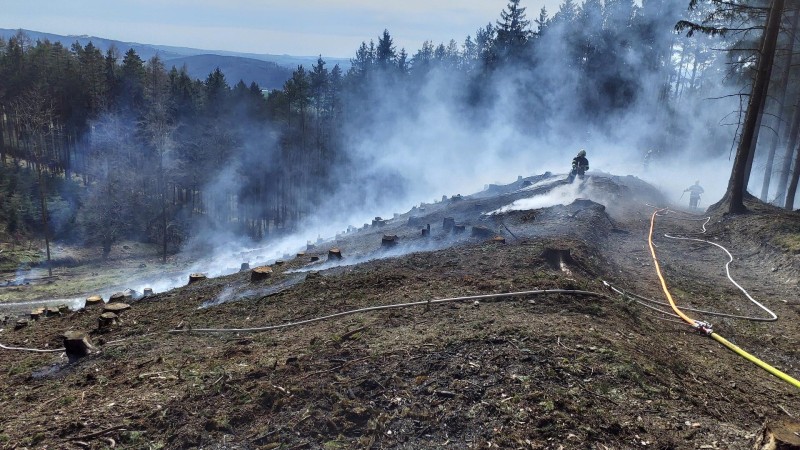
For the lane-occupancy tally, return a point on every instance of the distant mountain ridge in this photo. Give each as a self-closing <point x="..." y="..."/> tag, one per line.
<point x="268" y="71"/>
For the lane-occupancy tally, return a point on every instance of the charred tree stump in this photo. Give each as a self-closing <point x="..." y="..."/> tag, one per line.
<point x="558" y="259"/>
<point x="278" y="263"/>
<point x="260" y="273"/>
<point x="314" y="258"/>
<point x="458" y="229"/>
<point x="195" y="277"/>
<point x="334" y="253"/>
<point x="378" y="222"/>
<point x="498" y="240"/>
<point x="107" y="320"/>
<point x="21" y="323"/>
<point x="147" y="292"/>
<point x="389" y="240"/>
<point x="426" y="231"/>
<point x="780" y="435"/>
<point x="481" y="232"/>
<point x="116" y="297"/>
<point x="77" y="344"/>
<point x="414" y="221"/>
<point x="37" y="313"/>
<point x="244" y="267"/>
<point x="448" y="223"/>
<point x="93" y="300"/>
<point x="301" y="254"/>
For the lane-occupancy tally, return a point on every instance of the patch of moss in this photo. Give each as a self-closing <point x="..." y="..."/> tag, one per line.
<point x="789" y="242"/>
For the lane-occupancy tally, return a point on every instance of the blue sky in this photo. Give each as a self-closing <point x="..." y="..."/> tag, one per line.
<point x="295" y="27"/>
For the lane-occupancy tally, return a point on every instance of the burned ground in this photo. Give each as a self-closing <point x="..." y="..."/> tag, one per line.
<point x="554" y="370"/>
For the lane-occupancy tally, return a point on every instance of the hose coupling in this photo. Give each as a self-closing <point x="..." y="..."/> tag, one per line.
<point x="703" y="327"/>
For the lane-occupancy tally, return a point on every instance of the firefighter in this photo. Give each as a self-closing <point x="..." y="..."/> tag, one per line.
<point x="579" y="166"/>
<point x="694" y="194"/>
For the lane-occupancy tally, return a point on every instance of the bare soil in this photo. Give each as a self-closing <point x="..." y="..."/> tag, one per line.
<point x="548" y="371"/>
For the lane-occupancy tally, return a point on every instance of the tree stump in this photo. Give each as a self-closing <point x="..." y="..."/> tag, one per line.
<point x="426" y="231"/>
<point x="389" y="240"/>
<point x="458" y="229"/>
<point x="21" y="323"/>
<point x="116" y="297"/>
<point x="448" y="223"/>
<point x="77" y="344"/>
<point x="37" y="313"/>
<point x="414" y="221"/>
<point x="334" y="253"/>
<point x="63" y="309"/>
<point x="557" y="258"/>
<point x="314" y="258"/>
<point x="116" y="307"/>
<point x="147" y="291"/>
<point x="301" y="254"/>
<point x="131" y="294"/>
<point x="498" y="240"/>
<point x="106" y="320"/>
<point x="779" y="435"/>
<point x="93" y="300"/>
<point x="244" y="267"/>
<point x="260" y="273"/>
<point x="51" y="311"/>
<point x="482" y="232"/>
<point x="378" y="222"/>
<point x="279" y="263"/>
<point x="195" y="277"/>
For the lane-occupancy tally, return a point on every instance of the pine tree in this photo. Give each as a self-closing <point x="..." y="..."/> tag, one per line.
<point x="512" y="31"/>
<point x="385" y="55"/>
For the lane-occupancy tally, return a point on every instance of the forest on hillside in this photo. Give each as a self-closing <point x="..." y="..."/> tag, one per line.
<point x="96" y="148"/>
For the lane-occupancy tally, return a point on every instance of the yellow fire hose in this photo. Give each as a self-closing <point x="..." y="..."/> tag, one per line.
<point x="705" y="327"/>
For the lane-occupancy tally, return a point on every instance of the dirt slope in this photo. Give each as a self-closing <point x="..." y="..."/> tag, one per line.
<point x="544" y="371"/>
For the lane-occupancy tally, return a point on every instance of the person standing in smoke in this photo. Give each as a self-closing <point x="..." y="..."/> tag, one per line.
<point x="579" y="166"/>
<point x="694" y="194"/>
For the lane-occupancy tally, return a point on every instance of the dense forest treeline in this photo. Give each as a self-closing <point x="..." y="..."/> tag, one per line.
<point x="96" y="147"/>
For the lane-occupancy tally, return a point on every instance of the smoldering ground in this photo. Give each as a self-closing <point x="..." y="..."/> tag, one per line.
<point x="451" y="132"/>
<point x="406" y="147"/>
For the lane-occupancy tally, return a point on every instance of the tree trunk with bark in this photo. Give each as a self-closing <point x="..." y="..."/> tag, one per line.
<point x="786" y="166"/>
<point x="734" y="196"/>
<point x="781" y="135"/>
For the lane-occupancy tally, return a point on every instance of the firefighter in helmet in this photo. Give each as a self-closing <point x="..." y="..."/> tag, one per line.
<point x="579" y="165"/>
<point x="694" y="194"/>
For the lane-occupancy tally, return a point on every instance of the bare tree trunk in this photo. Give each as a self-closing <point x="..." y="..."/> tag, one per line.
<point x="45" y="228"/>
<point x="781" y="105"/>
<point x="163" y="194"/>
<point x="786" y="167"/>
<point x="754" y="146"/>
<point x="679" y="79"/>
<point x="790" y="193"/>
<point x="736" y="185"/>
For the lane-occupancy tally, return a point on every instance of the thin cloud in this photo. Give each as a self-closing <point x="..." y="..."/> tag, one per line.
<point x="331" y="28"/>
